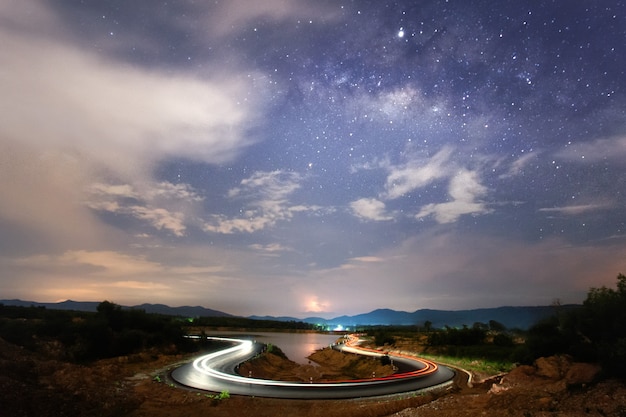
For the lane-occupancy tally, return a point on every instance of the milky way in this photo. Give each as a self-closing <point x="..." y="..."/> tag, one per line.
<point x="298" y="158"/>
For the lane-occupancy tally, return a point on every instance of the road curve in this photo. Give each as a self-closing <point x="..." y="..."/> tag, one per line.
<point x="217" y="372"/>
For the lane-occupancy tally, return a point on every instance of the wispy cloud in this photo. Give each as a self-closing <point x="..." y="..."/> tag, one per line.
<point x="603" y="149"/>
<point x="575" y="210"/>
<point x="367" y="259"/>
<point x="232" y="15"/>
<point x="162" y="205"/>
<point x="264" y="196"/>
<point x="417" y="173"/>
<point x="271" y="249"/>
<point x="517" y="167"/>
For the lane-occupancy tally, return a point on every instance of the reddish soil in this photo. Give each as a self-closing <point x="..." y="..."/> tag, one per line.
<point x="324" y="365"/>
<point x="34" y="386"/>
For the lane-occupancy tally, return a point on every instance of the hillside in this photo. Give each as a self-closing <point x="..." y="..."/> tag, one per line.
<point x="511" y="317"/>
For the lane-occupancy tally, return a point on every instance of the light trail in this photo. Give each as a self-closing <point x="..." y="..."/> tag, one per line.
<point x="206" y="365"/>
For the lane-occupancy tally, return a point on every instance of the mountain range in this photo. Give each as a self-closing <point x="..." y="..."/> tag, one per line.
<point x="91" y="306"/>
<point x="510" y="317"/>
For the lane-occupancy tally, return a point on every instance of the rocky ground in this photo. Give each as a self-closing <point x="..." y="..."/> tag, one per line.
<point x="138" y="386"/>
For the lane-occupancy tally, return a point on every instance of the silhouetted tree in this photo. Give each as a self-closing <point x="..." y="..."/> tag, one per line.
<point x="495" y="326"/>
<point x="603" y="322"/>
<point x="428" y="325"/>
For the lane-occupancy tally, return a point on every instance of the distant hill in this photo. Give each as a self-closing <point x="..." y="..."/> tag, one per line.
<point x="511" y="317"/>
<point x="185" y="311"/>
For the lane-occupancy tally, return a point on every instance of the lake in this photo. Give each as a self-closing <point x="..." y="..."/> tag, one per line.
<point x="297" y="346"/>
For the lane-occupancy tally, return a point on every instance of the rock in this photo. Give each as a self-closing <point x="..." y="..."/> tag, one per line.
<point x="582" y="373"/>
<point x="497" y="389"/>
<point x="553" y="367"/>
<point x="518" y="375"/>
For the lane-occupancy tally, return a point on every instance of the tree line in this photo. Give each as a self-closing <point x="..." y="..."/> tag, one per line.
<point x="85" y="336"/>
<point x="114" y="331"/>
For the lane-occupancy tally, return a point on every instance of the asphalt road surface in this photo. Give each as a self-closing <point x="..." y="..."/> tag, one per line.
<point x="217" y="372"/>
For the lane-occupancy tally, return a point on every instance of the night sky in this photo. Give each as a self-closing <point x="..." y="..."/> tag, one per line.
<point x="292" y="157"/>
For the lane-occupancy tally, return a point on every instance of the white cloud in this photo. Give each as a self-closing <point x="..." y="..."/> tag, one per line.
<point x="465" y="189"/>
<point x="272" y="186"/>
<point x="266" y="196"/>
<point x="161" y="218"/>
<point x="117" y="115"/>
<point x="165" y="206"/>
<point x="169" y="191"/>
<point x="71" y="118"/>
<point x="370" y="209"/>
<point x="417" y="173"/>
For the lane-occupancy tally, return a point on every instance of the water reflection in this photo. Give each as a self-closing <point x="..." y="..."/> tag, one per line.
<point x="297" y="346"/>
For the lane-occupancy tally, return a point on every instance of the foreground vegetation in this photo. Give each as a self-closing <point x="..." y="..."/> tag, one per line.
<point x="594" y="332"/>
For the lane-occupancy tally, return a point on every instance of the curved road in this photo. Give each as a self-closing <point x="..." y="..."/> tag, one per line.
<point x="217" y="372"/>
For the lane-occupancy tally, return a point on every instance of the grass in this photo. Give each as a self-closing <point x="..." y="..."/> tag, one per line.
<point x="475" y="365"/>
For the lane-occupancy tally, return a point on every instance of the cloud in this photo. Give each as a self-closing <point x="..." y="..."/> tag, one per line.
<point x="370" y="209"/>
<point x="457" y="271"/>
<point x="163" y="205"/>
<point x="367" y="259"/>
<point x="417" y="173"/>
<point x="139" y="117"/>
<point x="272" y="186"/>
<point x="102" y="263"/>
<point x="161" y="219"/>
<point x="71" y="118"/>
<point x="517" y="167"/>
<point x="465" y="189"/>
<point x="233" y="15"/>
<point x="179" y="274"/>
<point x="265" y="197"/>
<point x="575" y="210"/>
<point x="272" y="249"/>
<point x="314" y="305"/>
<point x="604" y="149"/>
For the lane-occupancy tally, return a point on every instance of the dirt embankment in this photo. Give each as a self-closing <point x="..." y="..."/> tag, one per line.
<point x="324" y="365"/>
<point x="31" y="385"/>
<point x="553" y="386"/>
